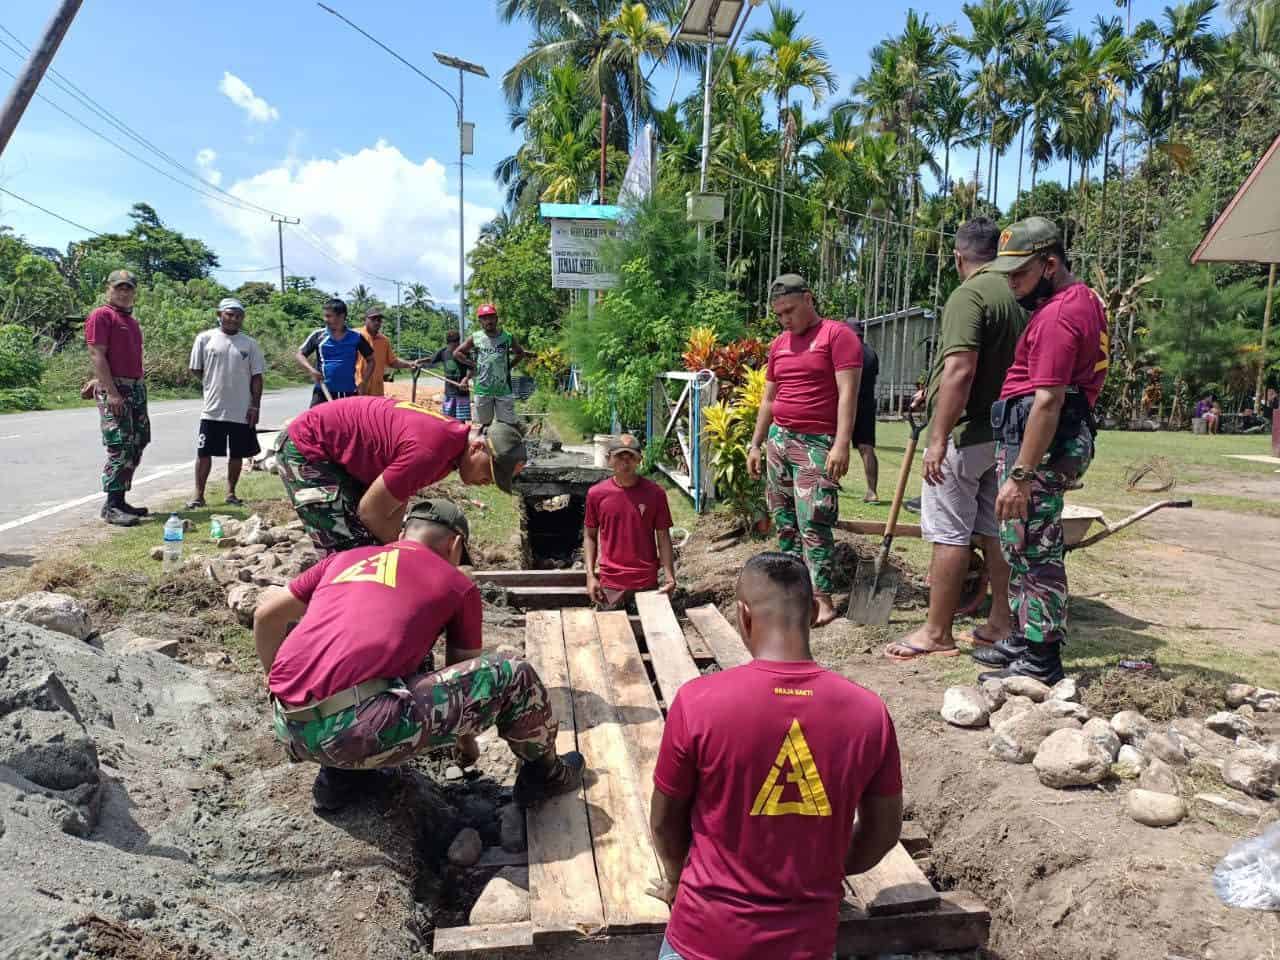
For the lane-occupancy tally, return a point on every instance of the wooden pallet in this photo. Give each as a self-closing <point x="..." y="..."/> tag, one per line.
<point x="590" y="854"/>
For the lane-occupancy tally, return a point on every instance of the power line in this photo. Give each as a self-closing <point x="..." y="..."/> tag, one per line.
<point x="56" y="216"/>
<point x="70" y="88"/>
<point x="321" y="247"/>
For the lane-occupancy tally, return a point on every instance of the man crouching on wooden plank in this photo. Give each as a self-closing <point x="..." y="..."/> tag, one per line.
<point x="346" y="683"/>
<point x="760" y="773"/>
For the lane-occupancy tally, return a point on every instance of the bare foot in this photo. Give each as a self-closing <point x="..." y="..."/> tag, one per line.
<point x="826" y="612"/>
<point x="987" y="635"/>
<point x="922" y="640"/>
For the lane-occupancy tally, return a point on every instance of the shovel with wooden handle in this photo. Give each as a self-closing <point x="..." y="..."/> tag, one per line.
<point x="876" y="584"/>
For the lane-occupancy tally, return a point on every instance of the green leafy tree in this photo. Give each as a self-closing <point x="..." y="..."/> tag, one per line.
<point x="151" y="249"/>
<point x="513" y="270"/>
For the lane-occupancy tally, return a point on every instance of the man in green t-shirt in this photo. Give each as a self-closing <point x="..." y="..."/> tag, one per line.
<point x="495" y="353"/>
<point x="980" y="328"/>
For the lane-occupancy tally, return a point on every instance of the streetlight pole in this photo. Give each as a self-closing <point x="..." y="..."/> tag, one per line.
<point x="24" y="88"/>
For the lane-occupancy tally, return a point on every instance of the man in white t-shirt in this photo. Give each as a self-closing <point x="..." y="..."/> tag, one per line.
<point x="230" y="365"/>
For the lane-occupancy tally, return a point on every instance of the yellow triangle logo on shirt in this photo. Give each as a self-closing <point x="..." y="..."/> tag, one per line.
<point x="379" y="568"/>
<point x="796" y="760"/>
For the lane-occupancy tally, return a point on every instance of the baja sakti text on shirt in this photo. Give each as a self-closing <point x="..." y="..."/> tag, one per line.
<point x="627" y="519"/>
<point x="804" y="366"/>
<point x="338" y="356"/>
<point x="416" y="593"/>
<point x="1065" y="344"/>
<point x="411" y="446"/>
<point x="776" y="757"/>
<point x="229" y="364"/>
<point x="120" y="333"/>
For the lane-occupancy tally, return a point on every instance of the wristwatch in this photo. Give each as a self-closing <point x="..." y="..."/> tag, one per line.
<point x="1020" y="474"/>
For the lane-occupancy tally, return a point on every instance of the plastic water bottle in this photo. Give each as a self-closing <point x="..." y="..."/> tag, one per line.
<point x="215" y="529"/>
<point x="172" y="543"/>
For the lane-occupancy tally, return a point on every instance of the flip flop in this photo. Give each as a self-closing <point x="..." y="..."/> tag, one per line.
<point x="233" y="501"/>
<point x="977" y="639"/>
<point x="196" y="504"/>
<point x="918" y="652"/>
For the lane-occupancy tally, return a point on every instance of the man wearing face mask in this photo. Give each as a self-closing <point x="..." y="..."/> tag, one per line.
<point x="1045" y="430"/>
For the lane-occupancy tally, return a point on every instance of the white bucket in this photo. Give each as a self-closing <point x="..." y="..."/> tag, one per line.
<point x="603" y="442"/>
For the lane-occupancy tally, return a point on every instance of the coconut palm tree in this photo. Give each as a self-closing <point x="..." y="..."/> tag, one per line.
<point x="1038" y="91"/>
<point x="1185" y="39"/>
<point x="998" y="33"/>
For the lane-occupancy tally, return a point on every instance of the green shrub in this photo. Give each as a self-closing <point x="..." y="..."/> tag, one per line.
<point x="20" y="361"/>
<point x="21" y="398"/>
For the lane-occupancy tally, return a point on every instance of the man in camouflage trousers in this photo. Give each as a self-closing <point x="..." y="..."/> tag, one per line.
<point x="352" y="686"/>
<point x="807" y="415"/>
<point x="1045" y="440"/>
<point x="114" y="339"/>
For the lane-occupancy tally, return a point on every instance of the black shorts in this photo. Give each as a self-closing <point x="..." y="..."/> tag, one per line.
<point x="318" y="397"/>
<point x="217" y="436"/>
<point x="864" y="425"/>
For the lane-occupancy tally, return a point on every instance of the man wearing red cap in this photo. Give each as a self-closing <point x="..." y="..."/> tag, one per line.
<point x="495" y="353"/>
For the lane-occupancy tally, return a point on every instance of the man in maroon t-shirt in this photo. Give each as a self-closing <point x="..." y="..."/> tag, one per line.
<point x="348" y="688"/>
<point x="626" y="517"/>
<point x="349" y="468"/>
<point x="1044" y="431"/>
<point x="757" y="781"/>
<point x="115" y="348"/>
<point x="808" y="411"/>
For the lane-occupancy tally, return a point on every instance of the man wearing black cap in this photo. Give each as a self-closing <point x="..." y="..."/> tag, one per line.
<point x="807" y="415"/>
<point x="1045" y="439"/>
<point x="349" y="468"/>
<point x="114" y="339"/>
<point x="350" y="694"/>
<point x="384" y="356"/>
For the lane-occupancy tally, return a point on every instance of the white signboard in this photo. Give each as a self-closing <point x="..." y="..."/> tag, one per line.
<point x="575" y="254"/>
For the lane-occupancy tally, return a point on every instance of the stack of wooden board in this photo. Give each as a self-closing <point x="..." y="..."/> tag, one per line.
<point x="591" y="858"/>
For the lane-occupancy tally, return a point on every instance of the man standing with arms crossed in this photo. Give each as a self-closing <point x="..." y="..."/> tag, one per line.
<point x="980" y="327"/>
<point x="337" y="346"/>
<point x="496" y="352"/>
<point x="626" y="515"/>
<point x="810" y="402"/>
<point x="1045" y="430"/>
<point x="384" y="357"/>
<point x="757" y="781"/>
<point x="230" y="366"/>
<point x="114" y="339"/>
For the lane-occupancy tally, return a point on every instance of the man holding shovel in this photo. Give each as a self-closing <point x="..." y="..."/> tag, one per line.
<point x="807" y="415"/>
<point x="1045" y="429"/>
<point x="980" y="327"/>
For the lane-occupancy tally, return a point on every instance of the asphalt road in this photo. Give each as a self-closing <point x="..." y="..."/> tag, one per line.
<point x="50" y="464"/>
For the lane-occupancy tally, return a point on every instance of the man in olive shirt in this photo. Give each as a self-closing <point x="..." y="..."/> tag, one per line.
<point x="980" y="328"/>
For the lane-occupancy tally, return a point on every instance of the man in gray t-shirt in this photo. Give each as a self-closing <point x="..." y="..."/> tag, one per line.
<point x="230" y="365"/>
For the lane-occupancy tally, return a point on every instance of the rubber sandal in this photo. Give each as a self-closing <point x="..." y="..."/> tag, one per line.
<point x="196" y="504"/>
<point x="918" y="651"/>
<point x="977" y="639"/>
<point x="233" y="501"/>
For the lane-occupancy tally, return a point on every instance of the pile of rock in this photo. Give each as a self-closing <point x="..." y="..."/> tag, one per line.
<point x="1045" y="726"/>
<point x="253" y="555"/>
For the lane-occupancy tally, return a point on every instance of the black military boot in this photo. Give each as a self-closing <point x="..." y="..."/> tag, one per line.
<point x="114" y="513"/>
<point x="1042" y="661"/>
<point x="335" y="788"/>
<point x="130" y="508"/>
<point x="1003" y="653"/>
<point x="542" y="779"/>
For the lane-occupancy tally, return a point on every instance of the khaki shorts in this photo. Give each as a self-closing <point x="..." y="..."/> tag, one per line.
<point x="965" y="502"/>
<point x="484" y="409"/>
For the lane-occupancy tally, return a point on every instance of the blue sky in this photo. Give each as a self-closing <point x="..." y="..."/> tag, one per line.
<point x="285" y="106"/>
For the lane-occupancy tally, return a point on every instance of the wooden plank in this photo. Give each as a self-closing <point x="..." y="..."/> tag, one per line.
<point x="546" y="597"/>
<point x="722" y="638"/>
<point x="913" y="838"/>
<point x="961" y="922"/>
<point x="894" y="885"/>
<point x="633" y="698"/>
<point x="699" y="649"/>
<point x="662" y="634"/>
<point x="625" y="860"/>
<point x="563" y="894"/>
<point x="875" y="528"/>
<point x="531" y="578"/>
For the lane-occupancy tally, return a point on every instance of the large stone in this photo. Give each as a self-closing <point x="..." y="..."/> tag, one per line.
<point x="1265" y="701"/>
<point x="1070" y="758"/>
<point x="511" y="828"/>
<point x="1129" y="763"/>
<point x="1253" y="771"/>
<point x="1238" y="693"/>
<point x="220" y="572"/>
<point x="1065" y="708"/>
<point x="1100" y="732"/>
<point x="256" y="532"/>
<point x="1028" y="687"/>
<point x="993" y="693"/>
<point x="1159" y="777"/>
<point x="1230" y="806"/>
<point x="964" y="707"/>
<point x="505" y="899"/>
<point x="1131" y="727"/>
<point x="1195" y="738"/>
<point x="1231" y="725"/>
<point x="1013" y="708"/>
<point x="1155" y="809"/>
<point x="466" y="848"/>
<point x="53" y="611"/>
<point x="1064" y="689"/>
<point x="50" y="748"/>
<point x="243" y="600"/>
<point x="1017" y="740"/>
<point x="1164" y="747"/>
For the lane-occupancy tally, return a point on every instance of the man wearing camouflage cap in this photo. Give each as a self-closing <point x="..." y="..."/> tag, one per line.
<point x="1045" y="431"/>
<point x="350" y="693"/>
<point x="350" y="468"/>
<point x="114" y="339"/>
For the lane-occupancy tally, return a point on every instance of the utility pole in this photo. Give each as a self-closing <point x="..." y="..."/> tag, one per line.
<point x="280" y="222"/>
<point x="399" y="314"/>
<point x="34" y="69"/>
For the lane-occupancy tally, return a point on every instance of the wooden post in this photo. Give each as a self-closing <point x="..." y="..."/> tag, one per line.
<point x="604" y="143"/>
<point x="1266" y="328"/>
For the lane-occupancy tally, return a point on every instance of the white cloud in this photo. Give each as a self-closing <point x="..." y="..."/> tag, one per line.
<point x="205" y="161"/>
<point x="375" y="208"/>
<point x="242" y="95"/>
